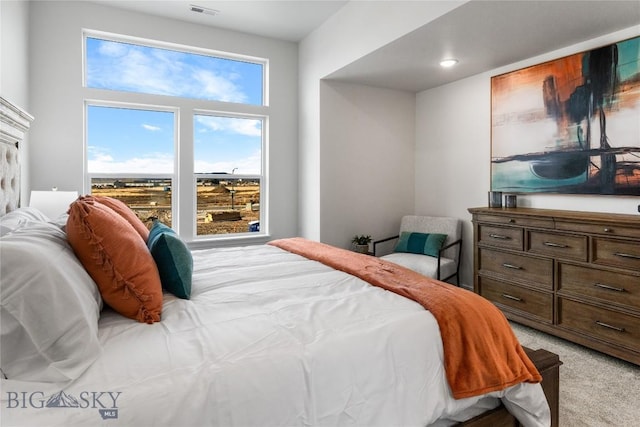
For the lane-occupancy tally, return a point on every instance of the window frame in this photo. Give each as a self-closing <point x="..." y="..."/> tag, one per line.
<point x="184" y="179"/>
<point x="175" y="176"/>
<point x="262" y="176"/>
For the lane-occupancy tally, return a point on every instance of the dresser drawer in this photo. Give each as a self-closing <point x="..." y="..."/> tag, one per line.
<point x="501" y="237"/>
<point x="535" y="271"/>
<point x="607" y="325"/>
<point x="588" y="282"/>
<point x="558" y="245"/>
<point x="617" y="253"/>
<point x="607" y="229"/>
<point x="516" y="220"/>
<point x="538" y="304"/>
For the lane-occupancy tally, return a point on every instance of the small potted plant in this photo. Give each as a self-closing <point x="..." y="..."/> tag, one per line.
<point x="361" y="243"/>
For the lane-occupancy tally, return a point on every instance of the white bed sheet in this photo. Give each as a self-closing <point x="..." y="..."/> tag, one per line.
<point x="267" y="339"/>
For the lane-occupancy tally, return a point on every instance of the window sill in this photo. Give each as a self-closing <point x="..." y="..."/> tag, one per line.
<point x="217" y="242"/>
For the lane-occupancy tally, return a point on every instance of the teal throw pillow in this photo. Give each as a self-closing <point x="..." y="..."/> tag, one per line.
<point x="173" y="258"/>
<point x="420" y="243"/>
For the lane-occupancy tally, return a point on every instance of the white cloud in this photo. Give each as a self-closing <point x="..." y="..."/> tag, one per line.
<point x="249" y="127"/>
<point x="99" y="154"/>
<point x="153" y="163"/>
<point x="216" y="86"/>
<point x="151" y="127"/>
<point x="112" y="49"/>
<point x="251" y="165"/>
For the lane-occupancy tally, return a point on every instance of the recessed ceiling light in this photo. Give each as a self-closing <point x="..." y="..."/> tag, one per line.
<point x="449" y="62"/>
<point x="202" y="9"/>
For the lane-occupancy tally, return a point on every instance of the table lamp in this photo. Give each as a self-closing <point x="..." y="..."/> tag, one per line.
<point x="52" y="203"/>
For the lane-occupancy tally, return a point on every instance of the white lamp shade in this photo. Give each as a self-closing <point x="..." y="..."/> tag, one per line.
<point x="52" y="203"/>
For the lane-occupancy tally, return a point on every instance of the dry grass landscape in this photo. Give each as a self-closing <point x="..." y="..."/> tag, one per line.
<point x="217" y="211"/>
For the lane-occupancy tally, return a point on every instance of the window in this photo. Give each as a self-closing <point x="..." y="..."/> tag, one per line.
<point x="117" y="65"/>
<point x="130" y="156"/>
<point x="228" y="170"/>
<point x="177" y="133"/>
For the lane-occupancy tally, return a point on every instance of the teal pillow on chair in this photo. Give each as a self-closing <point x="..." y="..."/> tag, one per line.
<point x="173" y="258"/>
<point x="420" y="243"/>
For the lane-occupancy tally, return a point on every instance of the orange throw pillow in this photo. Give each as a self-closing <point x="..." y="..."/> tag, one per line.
<point x="124" y="211"/>
<point x="117" y="259"/>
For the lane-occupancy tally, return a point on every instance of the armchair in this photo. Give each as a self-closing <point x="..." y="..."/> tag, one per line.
<point x="446" y="265"/>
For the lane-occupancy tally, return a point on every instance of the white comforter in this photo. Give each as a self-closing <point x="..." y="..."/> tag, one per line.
<point x="267" y="339"/>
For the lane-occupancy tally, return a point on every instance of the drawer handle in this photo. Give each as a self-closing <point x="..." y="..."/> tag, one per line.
<point x="512" y="221"/>
<point x="555" y="245"/>
<point x="624" y="255"/>
<point x="608" y="326"/>
<point x="507" y="296"/>
<point x="608" y="230"/>
<point x="513" y="267"/>
<point x="608" y="287"/>
<point x="499" y="236"/>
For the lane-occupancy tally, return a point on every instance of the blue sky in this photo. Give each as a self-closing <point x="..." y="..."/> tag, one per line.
<point x="125" y="140"/>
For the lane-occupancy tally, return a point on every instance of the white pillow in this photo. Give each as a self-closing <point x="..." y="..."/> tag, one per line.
<point x="49" y="308"/>
<point x="19" y="218"/>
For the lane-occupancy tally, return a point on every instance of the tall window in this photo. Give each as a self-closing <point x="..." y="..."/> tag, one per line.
<point x="130" y="156"/>
<point x="228" y="171"/>
<point x="177" y="132"/>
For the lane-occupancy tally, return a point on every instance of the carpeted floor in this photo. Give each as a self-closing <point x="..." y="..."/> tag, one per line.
<point x="596" y="390"/>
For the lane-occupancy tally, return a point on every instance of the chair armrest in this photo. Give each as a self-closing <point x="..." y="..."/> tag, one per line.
<point x="382" y="241"/>
<point x="441" y="251"/>
<point x="457" y="242"/>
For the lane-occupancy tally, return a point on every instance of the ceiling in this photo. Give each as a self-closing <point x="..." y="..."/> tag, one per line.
<point x="482" y="34"/>
<point x="285" y="20"/>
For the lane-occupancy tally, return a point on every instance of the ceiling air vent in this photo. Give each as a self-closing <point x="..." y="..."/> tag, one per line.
<point x="201" y="9"/>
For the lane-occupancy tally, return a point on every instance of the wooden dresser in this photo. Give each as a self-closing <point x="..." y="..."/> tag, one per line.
<point x="575" y="275"/>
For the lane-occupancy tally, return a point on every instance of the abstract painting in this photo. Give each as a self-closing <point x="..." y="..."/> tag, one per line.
<point x="571" y="125"/>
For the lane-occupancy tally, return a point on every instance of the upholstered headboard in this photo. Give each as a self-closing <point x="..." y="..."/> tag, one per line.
<point x="9" y="178"/>
<point x="14" y="123"/>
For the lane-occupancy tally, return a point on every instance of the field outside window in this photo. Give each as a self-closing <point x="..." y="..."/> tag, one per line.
<point x="147" y="197"/>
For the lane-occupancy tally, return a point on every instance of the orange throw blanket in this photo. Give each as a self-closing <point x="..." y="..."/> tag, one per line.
<point x="481" y="352"/>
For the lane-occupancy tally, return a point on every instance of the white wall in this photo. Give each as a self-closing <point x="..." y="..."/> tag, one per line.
<point x="57" y="93"/>
<point x="345" y="37"/>
<point x="14" y="68"/>
<point x="453" y="143"/>
<point x="14" y="64"/>
<point x="366" y="160"/>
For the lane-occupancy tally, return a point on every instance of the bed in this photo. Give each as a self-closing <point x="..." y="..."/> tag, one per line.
<point x="267" y="337"/>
